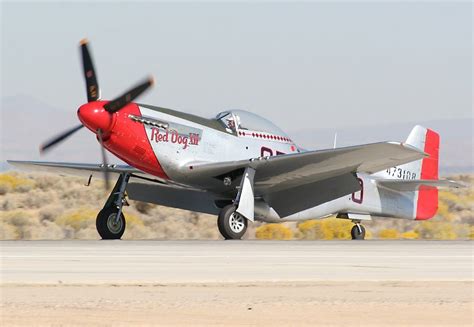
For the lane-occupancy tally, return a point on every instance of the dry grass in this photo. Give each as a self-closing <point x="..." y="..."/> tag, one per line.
<point x="43" y="206"/>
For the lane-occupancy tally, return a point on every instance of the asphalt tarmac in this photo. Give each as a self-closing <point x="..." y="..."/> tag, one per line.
<point x="188" y="262"/>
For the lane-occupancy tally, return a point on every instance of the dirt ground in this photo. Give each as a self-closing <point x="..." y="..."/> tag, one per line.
<point x="270" y="304"/>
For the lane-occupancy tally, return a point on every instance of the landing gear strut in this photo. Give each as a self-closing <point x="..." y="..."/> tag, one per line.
<point x="110" y="222"/>
<point x="358" y="231"/>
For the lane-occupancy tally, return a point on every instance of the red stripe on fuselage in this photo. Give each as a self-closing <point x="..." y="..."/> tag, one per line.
<point x="428" y="196"/>
<point x="128" y="141"/>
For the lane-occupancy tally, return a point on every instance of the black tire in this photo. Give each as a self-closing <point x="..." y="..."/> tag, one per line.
<point x="356" y="234"/>
<point x="105" y="224"/>
<point x="232" y="225"/>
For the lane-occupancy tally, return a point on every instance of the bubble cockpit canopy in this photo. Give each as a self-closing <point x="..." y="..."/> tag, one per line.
<point x="235" y="120"/>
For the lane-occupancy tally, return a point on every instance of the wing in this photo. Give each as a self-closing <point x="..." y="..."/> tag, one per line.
<point x="76" y="169"/>
<point x="286" y="171"/>
<point x="295" y="182"/>
<point x="413" y="185"/>
<point x="87" y="170"/>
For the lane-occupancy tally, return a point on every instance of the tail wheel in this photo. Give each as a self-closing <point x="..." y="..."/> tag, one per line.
<point x="358" y="232"/>
<point x="108" y="226"/>
<point x="231" y="224"/>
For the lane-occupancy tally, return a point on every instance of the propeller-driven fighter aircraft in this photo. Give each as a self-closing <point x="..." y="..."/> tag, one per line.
<point x="243" y="168"/>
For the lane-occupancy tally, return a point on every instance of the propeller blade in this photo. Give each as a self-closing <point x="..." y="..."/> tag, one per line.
<point x="120" y="102"/>
<point x="61" y="137"/>
<point x="92" y="87"/>
<point x="104" y="160"/>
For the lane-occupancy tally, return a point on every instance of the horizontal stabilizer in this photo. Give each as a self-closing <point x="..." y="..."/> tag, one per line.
<point x="413" y="185"/>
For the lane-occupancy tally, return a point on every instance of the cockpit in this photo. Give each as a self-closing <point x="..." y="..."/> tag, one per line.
<point x="240" y="120"/>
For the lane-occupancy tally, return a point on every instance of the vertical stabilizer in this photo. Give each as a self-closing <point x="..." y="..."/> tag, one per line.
<point x="425" y="199"/>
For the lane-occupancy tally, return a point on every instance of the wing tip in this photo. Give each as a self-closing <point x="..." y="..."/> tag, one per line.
<point x="412" y="148"/>
<point x="12" y="162"/>
<point x="456" y="184"/>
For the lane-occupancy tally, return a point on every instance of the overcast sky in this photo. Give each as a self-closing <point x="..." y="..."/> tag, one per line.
<point x="301" y="65"/>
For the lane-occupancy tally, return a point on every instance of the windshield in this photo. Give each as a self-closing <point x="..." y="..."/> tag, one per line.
<point x="243" y="120"/>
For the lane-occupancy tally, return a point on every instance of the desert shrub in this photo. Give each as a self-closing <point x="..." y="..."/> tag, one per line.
<point x="135" y="231"/>
<point x="79" y="219"/>
<point x="50" y="212"/>
<point x="23" y="222"/>
<point x="310" y="230"/>
<point x="132" y="219"/>
<point x="444" y="211"/>
<point x="273" y="232"/>
<point x="455" y="201"/>
<point x="35" y="199"/>
<point x="368" y="234"/>
<point x="7" y="231"/>
<point x="194" y="218"/>
<point x="4" y="189"/>
<point x="88" y="233"/>
<point x="24" y="188"/>
<point x="448" y="196"/>
<point x="49" y="231"/>
<point x="73" y="193"/>
<point x="8" y="203"/>
<point x="17" y="218"/>
<point x="143" y="207"/>
<point x="48" y="181"/>
<point x="462" y="230"/>
<point x="410" y="235"/>
<point x="388" y="234"/>
<point x="337" y="229"/>
<point x="471" y="232"/>
<point x="11" y="181"/>
<point x="435" y="230"/>
<point x="326" y="229"/>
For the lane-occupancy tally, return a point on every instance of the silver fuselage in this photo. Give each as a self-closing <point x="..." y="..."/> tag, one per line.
<point x="176" y="151"/>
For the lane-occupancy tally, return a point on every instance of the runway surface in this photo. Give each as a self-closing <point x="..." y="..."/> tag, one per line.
<point x="184" y="262"/>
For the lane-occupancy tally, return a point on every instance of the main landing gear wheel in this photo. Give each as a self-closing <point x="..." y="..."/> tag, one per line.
<point x="358" y="232"/>
<point x="110" y="221"/>
<point x="231" y="224"/>
<point x="108" y="226"/>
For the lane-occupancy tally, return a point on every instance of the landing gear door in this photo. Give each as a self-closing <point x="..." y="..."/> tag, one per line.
<point x="245" y="198"/>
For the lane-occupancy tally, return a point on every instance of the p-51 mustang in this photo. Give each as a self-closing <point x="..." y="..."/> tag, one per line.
<point x="242" y="167"/>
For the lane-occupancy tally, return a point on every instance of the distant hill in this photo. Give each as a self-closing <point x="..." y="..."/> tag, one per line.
<point x="27" y="122"/>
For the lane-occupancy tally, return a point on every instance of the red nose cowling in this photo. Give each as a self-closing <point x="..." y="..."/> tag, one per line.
<point x="125" y="138"/>
<point x="94" y="116"/>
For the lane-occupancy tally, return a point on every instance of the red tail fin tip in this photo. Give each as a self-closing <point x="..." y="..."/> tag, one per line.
<point x="427" y="203"/>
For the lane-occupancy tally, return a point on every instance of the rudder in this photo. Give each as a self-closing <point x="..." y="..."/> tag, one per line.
<point x="427" y="202"/>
